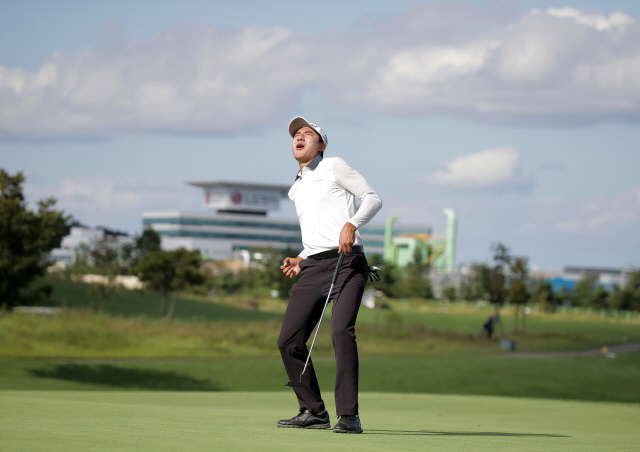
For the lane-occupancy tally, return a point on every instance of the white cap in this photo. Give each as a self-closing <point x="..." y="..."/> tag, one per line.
<point x="299" y="121"/>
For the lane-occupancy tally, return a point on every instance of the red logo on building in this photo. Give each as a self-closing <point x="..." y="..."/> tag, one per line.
<point x="236" y="198"/>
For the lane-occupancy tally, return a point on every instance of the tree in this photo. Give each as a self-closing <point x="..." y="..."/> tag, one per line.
<point x="501" y="255"/>
<point x="518" y="293"/>
<point x="26" y="238"/>
<point x="584" y="292"/>
<point x="449" y="292"/>
<point x="477" y="284"/>
<point x="600" y="299"/>
<point x="414" y="279"/>
<point x="230" y="281"/>
<point x="108" y="258"/>
<point x="542" y="293"/>
<point x="104" y="259"/>
<point x="627" y="298"/>
<point x="501" y="258"/>
<point x="131" y="253"/>
<point x="262" y="273"/>
<point x="168" y="272"/>
<point x="187" y="274"/>
<point x="496" y="287"/>
<point x="415" y="282"/>
<point x="157" y="270"/>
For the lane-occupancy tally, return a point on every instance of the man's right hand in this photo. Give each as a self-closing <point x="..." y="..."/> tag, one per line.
<point x="290" y="266"/>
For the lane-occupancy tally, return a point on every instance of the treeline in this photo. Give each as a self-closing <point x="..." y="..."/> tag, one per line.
<point x="172" y="272"/>
<point x="26" y="238"/>
<point x="509" y="280"/>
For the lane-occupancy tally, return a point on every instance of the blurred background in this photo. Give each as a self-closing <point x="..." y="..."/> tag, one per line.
<point x="502" y="136"/>
<point x="522" y="116"/>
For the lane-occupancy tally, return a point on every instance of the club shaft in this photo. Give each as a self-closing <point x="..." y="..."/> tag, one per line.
<point x="333" y="281"/>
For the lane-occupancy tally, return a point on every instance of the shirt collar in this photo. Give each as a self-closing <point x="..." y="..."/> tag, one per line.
<point x="313" y="164"/>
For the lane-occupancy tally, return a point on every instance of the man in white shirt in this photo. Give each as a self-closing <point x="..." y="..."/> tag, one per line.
<point x="324" y="195"/>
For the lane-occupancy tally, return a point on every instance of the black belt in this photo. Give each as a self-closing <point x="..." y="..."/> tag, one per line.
<point x="334" y="253"/>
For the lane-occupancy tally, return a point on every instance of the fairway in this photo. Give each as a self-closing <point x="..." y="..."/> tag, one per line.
<point x="236" y="421"/>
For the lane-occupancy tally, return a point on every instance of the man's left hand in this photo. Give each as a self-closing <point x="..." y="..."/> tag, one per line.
<point x="347" y="238"/>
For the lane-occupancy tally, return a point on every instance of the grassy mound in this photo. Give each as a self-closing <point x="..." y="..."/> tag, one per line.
<point x="230" y="345"/>
<point x="134" y="303"/>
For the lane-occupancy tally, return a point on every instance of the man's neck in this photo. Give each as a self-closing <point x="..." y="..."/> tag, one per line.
<point x="303" y="164"/>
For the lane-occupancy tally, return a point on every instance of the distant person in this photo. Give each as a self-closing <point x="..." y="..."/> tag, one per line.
<point x="324" y="194"/>
<point x="488" y="326"/>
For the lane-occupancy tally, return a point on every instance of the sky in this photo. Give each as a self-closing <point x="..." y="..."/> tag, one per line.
<point x="522" y="116"/>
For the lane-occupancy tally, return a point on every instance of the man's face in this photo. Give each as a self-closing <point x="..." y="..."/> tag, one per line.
<point x="306" y="145"/>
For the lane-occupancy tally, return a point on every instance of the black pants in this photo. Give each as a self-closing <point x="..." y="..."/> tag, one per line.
<point x="303" y="312"/>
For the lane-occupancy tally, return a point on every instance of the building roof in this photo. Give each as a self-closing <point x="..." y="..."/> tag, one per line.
<point x="592" y="271"/>
<point x="241" y="185"/>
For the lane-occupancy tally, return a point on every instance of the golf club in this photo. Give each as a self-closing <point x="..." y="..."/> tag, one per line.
<point x="333" y="281"/>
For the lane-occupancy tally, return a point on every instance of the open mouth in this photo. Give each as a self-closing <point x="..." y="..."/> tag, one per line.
<point x="299" y="145"/>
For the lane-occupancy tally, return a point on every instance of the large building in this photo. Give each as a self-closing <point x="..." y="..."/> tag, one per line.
<point x="605" y="277"/>
<point x="80" y="236"/>
<point x="241" y="222"/>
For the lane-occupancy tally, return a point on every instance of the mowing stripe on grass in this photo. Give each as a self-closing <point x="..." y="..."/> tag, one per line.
<point x="596" y="378"/>
<point x="235" y="421"/>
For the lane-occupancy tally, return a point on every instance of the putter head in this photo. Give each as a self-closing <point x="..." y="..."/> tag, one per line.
<point x="292" y="384"/>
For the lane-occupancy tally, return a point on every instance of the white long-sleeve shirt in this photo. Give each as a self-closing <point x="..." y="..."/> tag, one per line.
<point x="324" y="195"/>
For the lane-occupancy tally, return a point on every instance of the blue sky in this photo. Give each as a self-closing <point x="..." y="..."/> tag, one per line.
<point x="523" y="116"/>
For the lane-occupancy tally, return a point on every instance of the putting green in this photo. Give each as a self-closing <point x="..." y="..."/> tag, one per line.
<point x="234" y="421"/>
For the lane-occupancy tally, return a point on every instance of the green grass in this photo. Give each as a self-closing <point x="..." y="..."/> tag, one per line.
<point x="543" y="331"/>
<point x="76" y="334"/>
<point x="127" y="380"/>
<point x="83" y="334"/>
<point x="234" y="421"/>
<point x="134" y="303"/>
<point x="578" y="378"/>
<point x="250" y="328"/>
<point x="428" y="322"/>
<point x="416" y="347"/>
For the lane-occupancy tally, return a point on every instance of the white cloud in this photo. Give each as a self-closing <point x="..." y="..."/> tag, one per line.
<point x="557" y="66"/>
<point x="493" y="170"/>
<point x="432" y="64"/>
<point x="616" y="20"/>
<point x="183" y="80"/>
<point x="117" y="204"/>
<point x="604" y="216"/>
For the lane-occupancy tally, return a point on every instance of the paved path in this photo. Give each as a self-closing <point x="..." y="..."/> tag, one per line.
<point x="620" y="348"/>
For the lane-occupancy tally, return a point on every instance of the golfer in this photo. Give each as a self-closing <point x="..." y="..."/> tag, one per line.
<point x="324" y="195"/>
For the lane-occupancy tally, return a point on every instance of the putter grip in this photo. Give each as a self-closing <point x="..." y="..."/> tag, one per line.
<point x="337" y="270"/>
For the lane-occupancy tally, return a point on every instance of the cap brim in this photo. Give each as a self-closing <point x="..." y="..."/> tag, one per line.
<point x="296" y="123"/>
